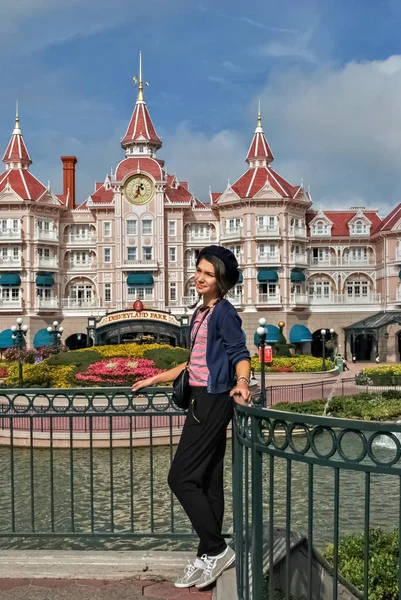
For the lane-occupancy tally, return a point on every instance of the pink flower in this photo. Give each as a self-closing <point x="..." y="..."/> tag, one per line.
<point x="122" y="371"/>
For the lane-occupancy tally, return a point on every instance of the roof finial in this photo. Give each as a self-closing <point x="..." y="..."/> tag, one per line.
<point x="139" y="83"/>
<point x="16" y="115"/>
<point x="259" y="116"/>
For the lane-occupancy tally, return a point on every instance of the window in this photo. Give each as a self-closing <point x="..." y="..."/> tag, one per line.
<point x="173" y="291"/>
<point x="321" y="228"/>
<point x="44" y="225"/>
<point x="360" y="227"/>
<point x="131" y="253"/>
<point x="10" y="294"/>
<point x="236" y="250"/>
<point x="107" y="228"/>
<point x="80" y="258"/>
<point x="147" y="253"/>
<point x="132" y="227"/>
<point x="320" y="289"/>
<point x="357" y="288"/>
<point x="15" y="224"/>
<point x="266" y="222"/>
<point x="172" y="228"/>
<point x="44" y="293"/>
<point x="172" y="254"/>
<point x="238" y="290"/>
<point x="44" y="253"/>
<point x="147" y="227"/>
<point x="107" y="255"/>
<point x="81" y="294"/>
<point x="233" y="223"/>
<point x="107" y="292"/>
<point x="269" y="289"/>
<point x="140" y="293"/>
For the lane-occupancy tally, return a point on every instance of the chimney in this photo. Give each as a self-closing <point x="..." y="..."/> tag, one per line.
<point x="69" y="163"/>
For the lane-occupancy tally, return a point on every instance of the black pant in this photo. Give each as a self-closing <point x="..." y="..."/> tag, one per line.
<point x="196" y="473"/>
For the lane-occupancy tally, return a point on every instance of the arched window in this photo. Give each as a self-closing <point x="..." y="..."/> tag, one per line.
<point x="359" y="287"/>
<point x="132" y="227"/>
<point x="320" y="288"/>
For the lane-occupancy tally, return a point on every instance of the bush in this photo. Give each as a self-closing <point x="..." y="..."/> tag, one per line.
<point x="75" y="358"/>
<point x="383" y="562"/>
<point x="41" y="375"/>
<point x="124" y="350"/>
<point x="22" y="354"/>
<point x="296" y="364"/>
<point x="167" y="358"/>
<point x="118" y="371"/>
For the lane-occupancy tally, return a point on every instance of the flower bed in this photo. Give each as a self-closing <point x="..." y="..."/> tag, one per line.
<point x="380" y="376"/>
<point x="295" y="364"/>
<point x="118" y="371"/>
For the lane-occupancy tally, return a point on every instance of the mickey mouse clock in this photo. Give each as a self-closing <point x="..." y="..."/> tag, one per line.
<point x="139" y="189"/>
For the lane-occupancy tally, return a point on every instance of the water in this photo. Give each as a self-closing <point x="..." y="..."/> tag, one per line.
<point x="385" y="441"/>
<point x="331" y="396"/>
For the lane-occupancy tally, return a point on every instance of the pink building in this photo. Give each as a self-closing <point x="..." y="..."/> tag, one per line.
<point x="138" y="234"/>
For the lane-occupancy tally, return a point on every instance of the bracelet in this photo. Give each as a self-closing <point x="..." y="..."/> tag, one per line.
<point x="243" y="378"/>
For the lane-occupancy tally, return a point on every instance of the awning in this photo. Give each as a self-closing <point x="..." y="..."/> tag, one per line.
<point x="44" y="280"/>
<point x="267" y="276"/>
<point x="297" y="276"/>
<point x="43" y="338"/>
<point x="241" y="278"/>
<point x="271" y="335"/>
<point x="6" y="340"/>
<point x="135" y="279"/>
<point x="10" y="279"/>
<point x="300" y="333"/>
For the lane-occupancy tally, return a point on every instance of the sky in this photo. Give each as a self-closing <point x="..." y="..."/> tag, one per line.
<point x="327" y="73"/>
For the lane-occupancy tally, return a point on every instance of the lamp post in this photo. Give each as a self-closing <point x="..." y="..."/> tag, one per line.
<point x="56" y="331"/>
<point x="19" y="333"/>
<point x="323" y="334"/>
<point x="261" y="331"/>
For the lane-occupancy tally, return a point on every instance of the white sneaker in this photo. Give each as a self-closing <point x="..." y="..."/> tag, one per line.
<point x="214" y="567"/>
<point x="191" y="576"/>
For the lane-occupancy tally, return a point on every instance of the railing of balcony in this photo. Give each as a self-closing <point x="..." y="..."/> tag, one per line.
<point x="266" y="231"/>
<point x="190" y="263"/>
<point x="299" y="299"/>
<point x="46" y="235"/>
<point x="80" y="239"/>
<point x="80" y="302"/>
<point x="269" y="299"/>
<point x="47" y="262"/>
<point x="10" y="234"/>
<point x="149" y="264"/>
<point x="371" y="298"/>
<point x="298" y="232"/>
<point x="10" y="263"/>
<point x="81" y="266"/>
<point x="300" y="259"/>
<point x="233" y="232"/>
<point x="10" y="304"/>
<point x="236" y="299"/>
<point x="268" y="258"/>
<point x="46" y="302"/>
<point x="200" y="236"/>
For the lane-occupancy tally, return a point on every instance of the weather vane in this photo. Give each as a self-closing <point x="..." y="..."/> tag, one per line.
<point x="138" y="82"/>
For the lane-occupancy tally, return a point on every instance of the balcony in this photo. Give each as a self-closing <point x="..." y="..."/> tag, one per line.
<point x="299" y="259"/>
<point x="345" y="299"/>
<point x="264" y="231"/>
<point x="46" y="235"/>
<point x="50" y="304"/>
<point x="299" y="232"/>
<point x="268" y="299"/>
<point x="80" y="240"/>
<point x="233" y="233"/>
<point x="200" y="237"/>
<point x="190" y="264"/>
<point x="357" y="261"/>
<point x="236" y="300"/>
<point x="47" y="262"/>
<point x="7" y="235"/>
<point x="300" y="299"/>
<point x="147" y="265"/>
<point x="10" y="305"/>
<point x="10" y="263"/>
<point x="88" y="265"/>
<point x="80" y="303"/>
<point x="188" y="300"/>
<point x="324" y="261"/>
<point x="268" y="258"/>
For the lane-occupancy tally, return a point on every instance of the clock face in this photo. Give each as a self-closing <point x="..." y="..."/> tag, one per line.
<point x="139" y="189"/>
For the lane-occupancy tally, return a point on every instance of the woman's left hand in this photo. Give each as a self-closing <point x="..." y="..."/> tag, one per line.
<point x="241" y="394"/>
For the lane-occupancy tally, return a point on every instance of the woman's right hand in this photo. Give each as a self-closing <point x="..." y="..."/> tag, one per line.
<point x="138" y="385"/>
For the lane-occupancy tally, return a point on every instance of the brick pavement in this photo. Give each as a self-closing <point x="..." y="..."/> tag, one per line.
<point x="95" y="589"/>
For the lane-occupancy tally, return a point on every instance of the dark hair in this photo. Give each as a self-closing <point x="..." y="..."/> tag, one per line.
<point x="219" y="273"/>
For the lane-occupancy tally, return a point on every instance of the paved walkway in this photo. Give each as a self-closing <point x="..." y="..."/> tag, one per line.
<point x="95" y="589"/>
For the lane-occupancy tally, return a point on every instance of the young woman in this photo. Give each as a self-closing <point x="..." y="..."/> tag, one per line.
<point x="219" y="354"/>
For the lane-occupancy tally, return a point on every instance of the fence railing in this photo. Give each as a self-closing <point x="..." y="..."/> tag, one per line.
<point x="302" y="482"/>
<point x="84" y="467"/>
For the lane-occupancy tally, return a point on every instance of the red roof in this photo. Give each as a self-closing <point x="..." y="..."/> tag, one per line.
<point x="133" y="165"/>
<point x="340" y="220"/>
<point x="199" y="204"/>
<point x="391" y="220"/>
<point x="251" y="182"/>
<point x="179" y="194"/>
<point x="102" y="196"/>
<point x="16" y="151"/>
<point x="259" y="148"/>
<point x="23" y="183"/>
<point x="140" y="127"/>
<point x="215" y="196"/>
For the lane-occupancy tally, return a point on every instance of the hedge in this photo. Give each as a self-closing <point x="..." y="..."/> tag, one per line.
<point x="295" y="364"/>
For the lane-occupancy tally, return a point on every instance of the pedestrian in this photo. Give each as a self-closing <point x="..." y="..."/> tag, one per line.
<point x="377" y="360"/>
<point x="345" y="365"/>
<point x="354" y="360"/>
<point x="218" y="355"/>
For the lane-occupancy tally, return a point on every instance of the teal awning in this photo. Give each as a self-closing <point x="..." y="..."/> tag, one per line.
<point x="240" y="278"/>
<point x="267" y="276"/>
<point x="43" y="338"/>
<point x="399" y="274"/>
<point x="300" y="333"/>
<point x="271" y="335"/>
<point x="10" y="279"/>
<point x="6" y="340"/>
<point x="297" y="276"/>
<point x="44" y="280"/>
<point x="135" y="279"/>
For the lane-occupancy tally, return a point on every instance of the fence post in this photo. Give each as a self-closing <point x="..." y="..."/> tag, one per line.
<point x="238" y="509"/>
<point x="302" y="392"/>
<point x="257" y="515"/>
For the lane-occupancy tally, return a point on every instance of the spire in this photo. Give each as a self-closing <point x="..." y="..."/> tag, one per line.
<point x="140" y="132"/>
<point x="259" y="154"/>
<point x="17" y="156"/>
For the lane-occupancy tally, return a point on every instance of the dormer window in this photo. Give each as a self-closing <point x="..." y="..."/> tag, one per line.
<point x="141" y="149"/>
<point x="321" y="227"/>
<point x="359" y="227"/>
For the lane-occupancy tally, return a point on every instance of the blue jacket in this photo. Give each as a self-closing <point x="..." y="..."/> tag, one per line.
<point x="225" y="346"/>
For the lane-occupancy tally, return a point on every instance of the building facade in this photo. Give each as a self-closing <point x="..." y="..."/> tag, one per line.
<point x="138" y="234"/>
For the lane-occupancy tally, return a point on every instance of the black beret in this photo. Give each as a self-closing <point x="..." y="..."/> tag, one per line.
<point x="227" y="258"/>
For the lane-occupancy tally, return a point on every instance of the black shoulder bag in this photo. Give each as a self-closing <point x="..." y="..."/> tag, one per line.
<point x="181" y="388"/>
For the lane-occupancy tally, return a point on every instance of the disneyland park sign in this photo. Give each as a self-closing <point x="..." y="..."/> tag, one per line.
<point x="131" y="315"/>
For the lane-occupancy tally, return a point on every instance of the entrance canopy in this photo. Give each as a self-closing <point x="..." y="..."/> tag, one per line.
<point x="375" y="322"/>
<point x="365" y="334"/>
<point x="299" y="334"/>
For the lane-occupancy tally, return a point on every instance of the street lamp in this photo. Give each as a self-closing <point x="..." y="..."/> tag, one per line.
<point x="323" y="333"/>
<point x="261" y="331"/>
<point x="56" y="331"/>
<point x="18" y="336"/>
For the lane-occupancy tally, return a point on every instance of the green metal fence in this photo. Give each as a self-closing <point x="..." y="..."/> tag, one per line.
<point x="300" y="483"/>
<point x="83" y="468"/>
